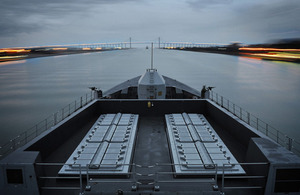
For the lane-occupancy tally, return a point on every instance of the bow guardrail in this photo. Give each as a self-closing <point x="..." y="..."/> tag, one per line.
<point x="45" y="124"/>
<point x="261" y="126"/>
<point x="84" y="181"/>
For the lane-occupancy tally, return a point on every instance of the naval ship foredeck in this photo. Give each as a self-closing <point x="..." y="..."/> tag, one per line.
<point x="150" y="135"/>
<point x="174" y="146"/>
<point x="107" y="149"/>
<point x="150" y="151"/>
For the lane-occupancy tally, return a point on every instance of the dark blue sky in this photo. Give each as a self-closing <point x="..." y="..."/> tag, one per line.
<point x="49" y="22"/>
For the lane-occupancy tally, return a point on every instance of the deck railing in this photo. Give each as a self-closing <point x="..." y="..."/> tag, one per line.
<point x="248" y="181"/>
<point x="219" y="180"/>
<point x="279" y="137"/>
<point x="45" y="124"/>
<point x="263" y="127"/>
<point x="48" y="180"/>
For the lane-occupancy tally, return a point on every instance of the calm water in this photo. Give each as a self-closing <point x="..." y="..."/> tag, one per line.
<point x="32" y="90"/>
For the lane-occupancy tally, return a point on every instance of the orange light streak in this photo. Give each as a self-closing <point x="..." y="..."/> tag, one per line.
<point x="278" y="55"/>
<point x="12" y="62"/>
<point x="14" y="50"/>
<point x="267" y="49"/>
<point x="59" y="48"/>
<point x="12" y="57"/>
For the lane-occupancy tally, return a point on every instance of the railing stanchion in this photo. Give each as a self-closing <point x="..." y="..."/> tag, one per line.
<point x="234" y="109"/>
<point x="248" y="114"/>
<point x="267" y="129"/>
<point x="134" y="174"/>
<point x="55" y="118"/>
<point x="257" y="124"/>
<point x="25" y="137"/>
<point x="222" y="188"/>
<point x="87" y="175"/>
<point x="80" y="179"/>
<point x="241" y="114"/>
<point x="36" y="130"/>
<point x="228" y="105"/>
<point x="46" y="121"/>
<point x="216" y="175"/>
<point x="13" y="144"/>
<point x="62" y="114"/>
<point x="290" y="141"/>
<point x="222" y="101"/>
<point x="156" y="176"/>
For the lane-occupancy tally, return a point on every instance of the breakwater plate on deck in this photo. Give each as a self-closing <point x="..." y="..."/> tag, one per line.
<point x="106" y="149"/>
<point x="196" y="148"/>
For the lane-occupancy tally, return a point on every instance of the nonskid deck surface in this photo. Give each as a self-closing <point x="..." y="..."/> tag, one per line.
<point x="152" y="148"/>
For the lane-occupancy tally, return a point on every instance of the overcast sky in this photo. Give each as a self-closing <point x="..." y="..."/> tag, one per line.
<point x="50" y="22"/>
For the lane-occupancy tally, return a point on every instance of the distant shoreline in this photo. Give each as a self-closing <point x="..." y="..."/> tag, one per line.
<point x="10" y="56"/>
<point x="263" y="54"/>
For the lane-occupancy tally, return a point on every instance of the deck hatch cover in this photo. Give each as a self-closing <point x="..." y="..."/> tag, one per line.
<point x="106" y="149"/>
<point x="196" y="148"/>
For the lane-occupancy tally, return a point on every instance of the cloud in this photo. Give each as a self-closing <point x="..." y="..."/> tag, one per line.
<point x="19" y="16"/>
<point x="202" y="4"/>
<point x="248" y="21"/>
<point x="36" y="22"/>
<point x="271" y="19"/>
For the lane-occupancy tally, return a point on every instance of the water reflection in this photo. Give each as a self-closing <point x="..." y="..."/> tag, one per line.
<point x="12" y="62"/>
<point x="33" y="89"/>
